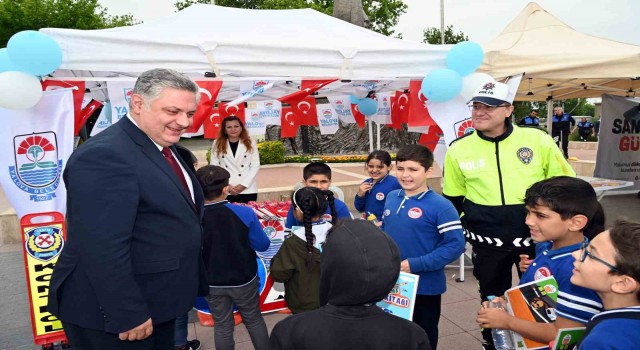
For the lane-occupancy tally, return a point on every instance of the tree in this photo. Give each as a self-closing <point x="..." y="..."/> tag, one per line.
<point x="432" y="36"/>
<point x="19" y="15"/>
<point x="383" y="14"/>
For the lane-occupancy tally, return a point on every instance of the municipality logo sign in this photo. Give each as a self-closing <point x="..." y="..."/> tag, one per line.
<point x="37" y="166"/>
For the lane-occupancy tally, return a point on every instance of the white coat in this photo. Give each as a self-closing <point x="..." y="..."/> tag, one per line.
<point x="243" y="167"/>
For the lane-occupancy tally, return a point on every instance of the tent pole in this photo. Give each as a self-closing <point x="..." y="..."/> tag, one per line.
<point x="370" y="135"/>
<point x="549" y="115"/>
<point x="378" y="136"/>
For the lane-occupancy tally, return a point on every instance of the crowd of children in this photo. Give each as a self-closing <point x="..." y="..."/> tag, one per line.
<point x="595" y="271"/>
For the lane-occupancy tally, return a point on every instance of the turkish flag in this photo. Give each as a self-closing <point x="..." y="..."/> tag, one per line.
<point x="289" y="123"/>
<point x="208" y="94"/>
<point x="307" y="87"/>
<point x="78" y="95"/>
<point x="226" y="110"/>
<point x="212" y="125"/>
<point x="399" y="110"/>
<point x="306" y="111"/>
<point x="359" y="117"/>
<point x="418" y="113"/>
<point x="88" y="110"/>
<point x="431" y="138"/>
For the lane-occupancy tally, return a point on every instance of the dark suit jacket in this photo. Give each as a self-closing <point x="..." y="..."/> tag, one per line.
<point x="133" y="235"/>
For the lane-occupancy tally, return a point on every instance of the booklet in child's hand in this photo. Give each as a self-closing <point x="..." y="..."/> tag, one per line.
<point x="568" y="338"/>
<point x="534" y="301"/>
<point x="401" y="300"/>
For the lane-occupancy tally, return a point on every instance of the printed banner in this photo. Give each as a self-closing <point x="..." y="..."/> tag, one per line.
<point x="36" y="144"/>
<point x="453" y="117"/>
<point x="383" y="114"/>
<point x="43" y="243"/>
<point x="254" y="123"/>
<point x="78" y="98"/>
<point x="270" y="111"/>
<point x="120" y="95"/>
<point x="401" y="300"/>
<point x="104" y="120"/>
<point x="619" y="140"/>
<point x="327" y="119"/>
<point x="251" y="89"/>
<point x="342" y="108"/>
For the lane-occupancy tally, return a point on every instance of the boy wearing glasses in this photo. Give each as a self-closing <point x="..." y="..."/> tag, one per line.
<point x="610" y="266"/>
<point x="486" y="173"/>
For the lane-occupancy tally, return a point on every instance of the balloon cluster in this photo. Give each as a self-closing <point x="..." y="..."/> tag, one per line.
<point x="28" y="54"/>
<point x="366" y="105"/>
<point x="463" y="59"/>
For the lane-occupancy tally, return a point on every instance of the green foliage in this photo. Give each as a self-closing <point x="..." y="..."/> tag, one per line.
<point x="271" y="152"/>
<point x="383" y="14"/>
<point x="432" y="36"/>
<point x="19" y="15"/>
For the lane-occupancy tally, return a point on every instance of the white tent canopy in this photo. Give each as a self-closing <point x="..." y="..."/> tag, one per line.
<point x="559" y="61"/>
<point x="247" y="43"/>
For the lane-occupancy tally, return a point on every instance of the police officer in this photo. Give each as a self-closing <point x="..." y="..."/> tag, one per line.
<point x="561" y="128"/>
<point x="531" y="119"/>
<point x="486" y="174"/>
<point x="585" y="128"/>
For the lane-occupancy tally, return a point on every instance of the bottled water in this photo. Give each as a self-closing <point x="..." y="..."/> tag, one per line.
<point x="502" y="339"/>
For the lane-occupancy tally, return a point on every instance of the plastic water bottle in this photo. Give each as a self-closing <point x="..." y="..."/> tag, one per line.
<point x="501" y="337"/>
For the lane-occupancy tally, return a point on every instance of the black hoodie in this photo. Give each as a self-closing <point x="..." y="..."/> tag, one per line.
<point x="359" y="266"/>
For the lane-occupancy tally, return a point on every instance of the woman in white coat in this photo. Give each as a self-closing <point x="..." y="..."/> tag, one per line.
<point x="234" y="151"/>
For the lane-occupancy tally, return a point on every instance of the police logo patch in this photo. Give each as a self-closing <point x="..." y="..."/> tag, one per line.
<point x="380" y="196"/>
<point x="525" y="154"/>
<point x="415" y="213"/>
<point x="541" y="273"/>
<point x="44" y="243"/>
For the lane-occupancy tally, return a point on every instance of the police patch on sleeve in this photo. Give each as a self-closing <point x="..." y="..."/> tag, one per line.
<point x="525" y="154"/>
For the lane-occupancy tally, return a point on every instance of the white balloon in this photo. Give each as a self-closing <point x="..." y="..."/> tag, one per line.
<point x="19" y="90"/>
<point x="471" y="83"/>
<point x="360" y="92"/>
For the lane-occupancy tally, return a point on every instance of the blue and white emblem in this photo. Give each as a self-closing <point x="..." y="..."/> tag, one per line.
<point x="525" y="154"/>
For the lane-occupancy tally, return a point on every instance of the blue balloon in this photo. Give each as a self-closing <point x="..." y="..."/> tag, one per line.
<point x="441" y="85"/>
<point x="368" y="106"/>
<point x="5" y="62"/>
<point x="34" y="52"/>
<point x="465" y="57"/>
<point x="354" y="100"/>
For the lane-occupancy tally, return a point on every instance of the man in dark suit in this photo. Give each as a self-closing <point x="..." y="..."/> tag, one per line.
<point x="130" y="265"/>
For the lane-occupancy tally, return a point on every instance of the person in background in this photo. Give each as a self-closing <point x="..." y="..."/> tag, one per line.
<point x="609" y="266"/>
<point x="359" y="267"/>
<point x="231" y="236"/>
<point x="563" y="214"/>
<point x="131" y="262"/>
<point x="486" y="174"/>
<point x="561" y="128"/>
<point x="531" y="119"/>
<point x="318" y="175"/>
<point x="596" y="126"/>
<point x="235" y="151"/>
<point x="372" y="193"/>
<point x="181" y="330"/>
<point x="427" y="229"/>
<point x="585" y="129"/>
<point x="297" y="263"/>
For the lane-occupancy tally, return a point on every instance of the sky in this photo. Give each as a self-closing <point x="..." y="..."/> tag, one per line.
<point x="479" y="20"/>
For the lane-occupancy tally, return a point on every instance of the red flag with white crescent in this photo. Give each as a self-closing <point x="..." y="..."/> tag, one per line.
<point x="209" y="90"/>
<point x="88" y="110"/>
<point x="212" y="125"/>
<point x="399" y="109"/>
<point x="289" y="123"/>
<point x="359" y="117"/>
<point x="306" y="111"/>
<point x="226" y="110"/>
<point x="431" y="138"/>
<point x="307" y="87"/>
<point x="418" y="113"/>
<point x="78" y="95"/>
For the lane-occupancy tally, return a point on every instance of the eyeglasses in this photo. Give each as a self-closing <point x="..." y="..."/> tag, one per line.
<point x="481" y="107"/>
<point x="586" y="253"/>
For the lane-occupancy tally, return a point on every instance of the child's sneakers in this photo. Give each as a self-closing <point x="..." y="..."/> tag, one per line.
<point x="190" y="345"/>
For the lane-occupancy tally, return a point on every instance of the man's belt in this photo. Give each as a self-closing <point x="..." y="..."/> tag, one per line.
<point x="497" y="242"/>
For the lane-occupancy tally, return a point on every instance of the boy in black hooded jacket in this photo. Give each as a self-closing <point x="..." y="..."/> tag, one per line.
<point x="359" y="266"/>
